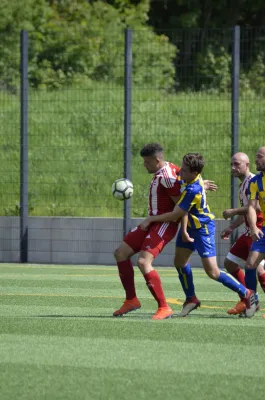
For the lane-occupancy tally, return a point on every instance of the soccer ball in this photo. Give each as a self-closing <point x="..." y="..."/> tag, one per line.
<point x="122" y="189"/>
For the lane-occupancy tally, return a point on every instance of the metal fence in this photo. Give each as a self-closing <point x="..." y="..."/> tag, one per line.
<point x="191" y="90"/>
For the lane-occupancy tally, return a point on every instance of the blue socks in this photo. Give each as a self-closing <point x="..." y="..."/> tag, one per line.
<point x="251" y="279"/>
<point x="230" y="282"/>
<point x="186" y="280"/>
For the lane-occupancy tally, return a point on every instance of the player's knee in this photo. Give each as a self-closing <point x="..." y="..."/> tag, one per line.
<point x="120" y="255"/>
<point x="213" y="274"/>
<point x="143" y="265"/>
<point x="141" y="262"/>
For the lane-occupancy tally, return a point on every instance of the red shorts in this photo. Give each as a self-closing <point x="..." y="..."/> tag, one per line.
<point x="240" y="250"/>
<point x="158" y="235"/>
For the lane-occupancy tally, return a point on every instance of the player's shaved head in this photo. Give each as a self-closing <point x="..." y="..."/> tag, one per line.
<point x="261" y="150"/>
<point x="240" y="165"/>
<point x="241" y="156"/>
<point x="260" y="159"/>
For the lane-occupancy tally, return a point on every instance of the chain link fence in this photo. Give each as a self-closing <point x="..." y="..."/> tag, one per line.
<point x="181" y="97"/>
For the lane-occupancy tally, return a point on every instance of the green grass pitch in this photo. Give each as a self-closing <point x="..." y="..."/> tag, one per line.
<point x="59" y="340"/>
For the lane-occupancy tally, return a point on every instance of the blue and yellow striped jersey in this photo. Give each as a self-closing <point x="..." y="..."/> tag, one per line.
<point x="193" y="201"/>
<point x="257" y="191"/>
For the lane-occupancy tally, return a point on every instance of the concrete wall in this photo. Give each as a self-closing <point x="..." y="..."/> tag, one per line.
<point x="63" y="240"/>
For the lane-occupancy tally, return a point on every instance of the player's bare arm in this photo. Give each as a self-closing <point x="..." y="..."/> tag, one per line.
<point x="235" y="224"/>
<point x="184" y="233"/>
<point x="184" y="222"/>
<point x="231" y="212"/>
<point x="255" y="232"/>
<point x="174" y="215"/>
<point x="210" y="185"/>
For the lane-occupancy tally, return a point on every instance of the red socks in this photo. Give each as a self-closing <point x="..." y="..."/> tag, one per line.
<point x="261" y="279"/>
<point x="154" y="284"/>
<point x="240" y="276"/>
<point x="126" y="273"/>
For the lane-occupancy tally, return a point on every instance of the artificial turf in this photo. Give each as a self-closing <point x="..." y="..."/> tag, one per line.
<point x="60" y="341"/>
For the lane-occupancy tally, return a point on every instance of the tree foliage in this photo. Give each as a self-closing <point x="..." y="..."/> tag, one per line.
<point x="202" y="32"/>
<point x="176" y="44"/>
<point x="75" y="40"/>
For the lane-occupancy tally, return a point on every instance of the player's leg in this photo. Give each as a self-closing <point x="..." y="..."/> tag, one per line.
<point x="158" y="236"/>
<point x="131" y="245"/>
<point x="126" y="272"/>
<point x="256" y="256"/>
<point x="205" y="245"/>
<point x="181" y="262"/>
<point x="261" y="279"/>
<point x="154" y="283"/>
<point x="233" y="269"/>
<point x="234" y="262"/>
<point x="213" y="271"/>
<point x="238" y="254"/>
<point x="261" y="275"/>
<point x="252" y="263"/>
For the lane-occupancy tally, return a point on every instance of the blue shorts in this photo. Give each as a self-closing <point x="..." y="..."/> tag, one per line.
<point x="204" y="240"/>
<point x="259" y="245"/>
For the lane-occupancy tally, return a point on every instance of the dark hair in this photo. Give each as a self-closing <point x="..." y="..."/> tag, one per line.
<point x="194" y="161"/>
<point x="151" y="149"/>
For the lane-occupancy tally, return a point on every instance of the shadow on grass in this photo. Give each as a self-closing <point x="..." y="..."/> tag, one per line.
<point x="110" y="316"/>
<point x="137" y="316"/>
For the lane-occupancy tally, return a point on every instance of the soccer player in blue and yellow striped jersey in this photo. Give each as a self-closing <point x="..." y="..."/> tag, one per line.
<point x="256" y="195"/>
<point x="198" y="236"/>
<point x="193" y="200"/>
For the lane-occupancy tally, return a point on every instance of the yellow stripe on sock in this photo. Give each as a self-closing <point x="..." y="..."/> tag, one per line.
<point x="184" y="279"/>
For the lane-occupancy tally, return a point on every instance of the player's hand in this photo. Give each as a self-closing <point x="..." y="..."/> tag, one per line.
<point x="186" y="237"/>
<point x="144" y="225"/>
<point x="228" y="213"/>
<point x="210" y="185"/>
<point x="256" y="234"/>
<point x="226" y="233"/>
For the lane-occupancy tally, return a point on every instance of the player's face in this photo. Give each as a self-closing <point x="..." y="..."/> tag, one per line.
<point x="260" y="160"/>
<point x="151" y="163"/>
<point x="238" y="167"/>
<point x="186" y="174"/>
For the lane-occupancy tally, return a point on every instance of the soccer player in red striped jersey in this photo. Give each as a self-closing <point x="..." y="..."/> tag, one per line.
<point x="163" y="194"/>
<point x="239" y="252"/>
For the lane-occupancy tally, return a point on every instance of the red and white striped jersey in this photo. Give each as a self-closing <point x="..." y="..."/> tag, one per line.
<point x="165" y="183"/>
<point x="243" y="197"/>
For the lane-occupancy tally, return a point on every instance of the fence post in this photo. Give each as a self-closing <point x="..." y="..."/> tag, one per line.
<point x="235" y="115"/>
<point x="24" y="146"/>
<point x="127" y="124"/>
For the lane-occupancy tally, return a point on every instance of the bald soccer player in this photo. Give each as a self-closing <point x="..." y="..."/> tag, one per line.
<point x="239" y="252"/>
